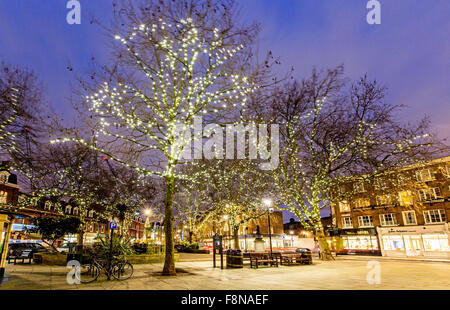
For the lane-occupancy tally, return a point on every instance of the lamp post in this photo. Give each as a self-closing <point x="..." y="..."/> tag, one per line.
<point x="245" y="237"/>
<point x="268" y="203"/>
<point x="228" y="223"/>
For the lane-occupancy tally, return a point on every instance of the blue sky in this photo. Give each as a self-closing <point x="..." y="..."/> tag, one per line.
<point x="409" y="52"/>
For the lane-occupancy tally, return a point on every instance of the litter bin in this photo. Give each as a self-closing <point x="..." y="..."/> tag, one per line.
<point x="306" y="255"/>
<point x="235" y="259"/>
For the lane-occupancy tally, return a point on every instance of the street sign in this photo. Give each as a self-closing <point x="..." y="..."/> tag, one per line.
<point x="112" y="225"/>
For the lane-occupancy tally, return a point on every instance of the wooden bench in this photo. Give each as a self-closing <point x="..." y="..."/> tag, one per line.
<point x="257" y="259"/>
<point x="293" y="259"/>
<point x="23" y="258"/>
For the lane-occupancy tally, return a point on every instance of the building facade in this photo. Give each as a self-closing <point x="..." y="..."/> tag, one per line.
<point x="403" y="213"/>
<point x="21" y="221"/>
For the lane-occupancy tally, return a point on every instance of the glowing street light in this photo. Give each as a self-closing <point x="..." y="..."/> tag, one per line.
<point x="268" y="203"/>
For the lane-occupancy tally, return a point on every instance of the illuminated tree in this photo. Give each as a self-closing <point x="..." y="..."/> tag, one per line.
<point x="169" y="70"/>
<point x="234" y="190"/>
<point x="328" y="134"/>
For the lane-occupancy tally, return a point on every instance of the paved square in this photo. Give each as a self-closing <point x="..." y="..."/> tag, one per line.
<point x="199" y="275"/>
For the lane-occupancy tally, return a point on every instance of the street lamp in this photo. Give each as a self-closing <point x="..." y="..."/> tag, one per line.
<point x="226" y="218"/>
<point x="268" y="203"/>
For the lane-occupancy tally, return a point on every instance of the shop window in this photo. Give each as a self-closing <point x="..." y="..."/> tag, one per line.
<point x="384" y="200"/>
<point x="365" y="221"/>
<point x="347" y="222"/>
<point x="344" y="206"/>
<point x="428" y="194"/>
<point x="434" y="216"/>
<point x="359" y="187"/>
<point x="405" y="198"/>
<point x="424" y="175"/>
<point x="393" y="243"/>
<point x="362" y="202"/>
<point x="360" y="242"/>
<point x="409" y="218"/>
<point x="435" y="242"/>
<point x="388" y="219"/>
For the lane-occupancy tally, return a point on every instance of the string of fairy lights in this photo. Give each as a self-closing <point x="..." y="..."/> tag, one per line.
<point x="187" y="78"/>
<point x="306" y="195"/>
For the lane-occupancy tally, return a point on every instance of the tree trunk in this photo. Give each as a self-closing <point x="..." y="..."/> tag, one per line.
<point x="324" y="247"/>
<point x="236" y="238"/>
<point x="80" y="240"/>
<point x="169" y="262"/>
<point x="190" y="237"/>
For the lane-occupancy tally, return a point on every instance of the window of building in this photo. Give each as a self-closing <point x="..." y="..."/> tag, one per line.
<point x="347" y="222"/>
<point x="380" y="184"/>
<point x="388" y="219"/>
<point x="406" y="198"/>
<point x="401" y="179"/>
<point x="359" y="187"/>
<point x="48" y="205"/>
<point x="434" y="216"/>
<point x="362" y="202"/>
<point x="446" y="171"/>
<point x="3" y="196"/>
<point x="360" y="242"/>
<point x="435" y="242"/>
<point x="75" y="211"/>
<point x="424" y="175"/>
<point x="384" y="200"/>
<point x="428" y="194"/>
<point x="365" y="221"/>
<point x="393" y="243"/>
<point x="344" y="206"/>
<point x="91" y="213"/>
<point x="68" y="209"/>
<point x="409" y="218"/>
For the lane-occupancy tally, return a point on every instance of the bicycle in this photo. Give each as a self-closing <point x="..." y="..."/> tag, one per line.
<point x="119" y="269"/>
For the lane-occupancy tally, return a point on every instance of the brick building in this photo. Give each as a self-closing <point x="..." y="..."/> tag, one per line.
<point x="10" y="194"/>
<point x="403" y="213"/>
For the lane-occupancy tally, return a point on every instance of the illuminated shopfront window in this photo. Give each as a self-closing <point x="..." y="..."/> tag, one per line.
<point x="436" y="242"/>
<point x="360" y="242"/>
<point x="393" y="243"/>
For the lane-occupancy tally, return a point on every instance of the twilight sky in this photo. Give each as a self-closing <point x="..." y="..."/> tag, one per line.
<point x="409" y="52"/>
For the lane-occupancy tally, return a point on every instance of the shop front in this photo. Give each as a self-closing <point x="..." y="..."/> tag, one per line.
<point x="415" y="241"/>
<point x="357" y="241"/>
<point x="5" y="232"/>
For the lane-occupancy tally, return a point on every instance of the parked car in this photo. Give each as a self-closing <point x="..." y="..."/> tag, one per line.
<point x="25" y="249"/>
<point x="67" y="247"/>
